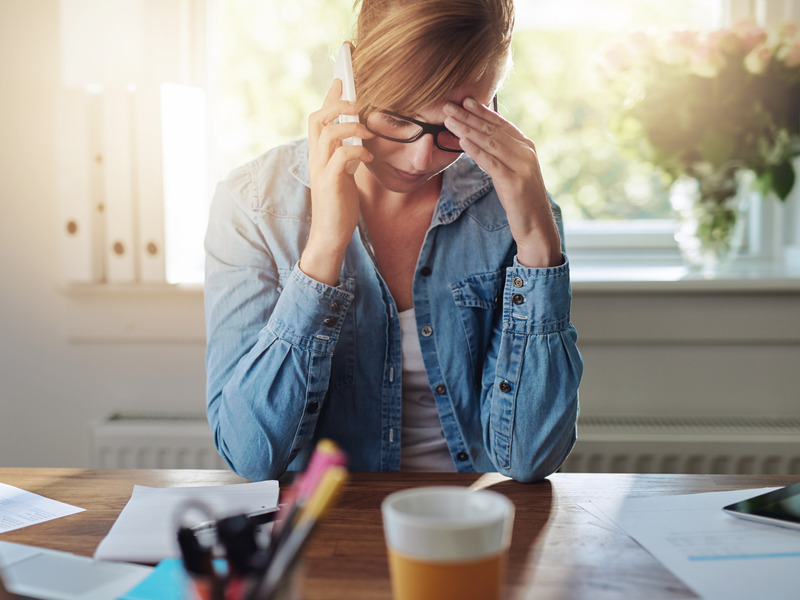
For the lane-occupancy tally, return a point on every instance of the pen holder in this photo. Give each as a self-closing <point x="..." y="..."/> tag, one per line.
<point x="208" y="588"/>
<point x="291" y="588"/>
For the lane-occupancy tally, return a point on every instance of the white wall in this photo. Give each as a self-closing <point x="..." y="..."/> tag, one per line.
<point x="51" y="389"/>
<point x="68" y="358"/>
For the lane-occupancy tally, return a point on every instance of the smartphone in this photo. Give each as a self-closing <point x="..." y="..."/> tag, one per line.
<point x="343" y="69"/>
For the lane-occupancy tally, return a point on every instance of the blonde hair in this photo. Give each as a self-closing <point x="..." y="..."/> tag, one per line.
<point x="410" y="54"/>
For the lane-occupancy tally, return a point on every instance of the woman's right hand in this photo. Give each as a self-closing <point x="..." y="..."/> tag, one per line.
<point x="334" y="195"/>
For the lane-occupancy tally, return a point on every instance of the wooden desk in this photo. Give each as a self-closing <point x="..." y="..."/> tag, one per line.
<point x="558" y="551"/>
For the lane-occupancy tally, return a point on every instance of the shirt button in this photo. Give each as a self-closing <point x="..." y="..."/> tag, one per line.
<point x="425" y="271"/>
<point x="518" y="283"/>
<point x="336" y="306"/>
<point x="440" y="389"/>
<point x="427" y="331"/>
<point x="462" y="456"/>
<point x="331" y="321"/>
<point x="313" y="407"/>
<point x="518" y="299"/>
<point x="505" y="387"/>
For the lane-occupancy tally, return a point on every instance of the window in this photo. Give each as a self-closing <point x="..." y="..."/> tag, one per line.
<point x="270" y="73"/>
<point x="555" y="95"/>
<point x="271" y="65"/>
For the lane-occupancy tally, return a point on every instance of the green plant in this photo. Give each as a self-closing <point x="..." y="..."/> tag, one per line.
<point x="715" y="102"/>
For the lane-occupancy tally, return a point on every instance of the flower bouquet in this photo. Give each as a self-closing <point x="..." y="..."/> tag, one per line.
<point x="706" y="108"/>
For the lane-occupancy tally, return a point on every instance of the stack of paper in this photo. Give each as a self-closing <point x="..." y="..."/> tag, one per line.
<point x="146" y="529"/>
<point x="717" y="555"/>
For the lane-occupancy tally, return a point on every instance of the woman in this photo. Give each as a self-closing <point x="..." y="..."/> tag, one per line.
<point x="416" y="310"/>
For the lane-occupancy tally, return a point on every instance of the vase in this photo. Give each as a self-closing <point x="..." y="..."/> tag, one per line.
<point x="711" y="210"/>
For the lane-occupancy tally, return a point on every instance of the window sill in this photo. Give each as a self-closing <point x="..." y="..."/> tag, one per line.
<point x="608" y="291"/>
<point x="134" y="313"/>
<point x="658" y="274"/>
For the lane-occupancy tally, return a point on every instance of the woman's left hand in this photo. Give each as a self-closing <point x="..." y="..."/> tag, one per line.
<point x="510" y="158"/>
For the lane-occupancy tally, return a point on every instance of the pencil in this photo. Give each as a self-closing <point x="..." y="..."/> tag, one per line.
<point x="286" y="555"/>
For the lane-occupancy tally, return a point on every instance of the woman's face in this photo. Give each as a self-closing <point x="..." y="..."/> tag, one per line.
<point x="406" y="168"/>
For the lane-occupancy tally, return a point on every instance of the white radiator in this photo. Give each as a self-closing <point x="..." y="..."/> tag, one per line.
<point x="154" y="441"/>
<point x="622" y="444"/>
<point x="631" y="444"/>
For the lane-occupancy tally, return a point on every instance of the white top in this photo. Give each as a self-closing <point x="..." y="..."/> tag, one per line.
<point x="422" y="443"/>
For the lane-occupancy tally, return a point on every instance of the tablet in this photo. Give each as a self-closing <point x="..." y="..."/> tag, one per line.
<point x="778" y="507"/>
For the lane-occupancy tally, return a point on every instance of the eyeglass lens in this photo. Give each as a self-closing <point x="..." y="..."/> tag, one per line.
<point x="399" y="129"/>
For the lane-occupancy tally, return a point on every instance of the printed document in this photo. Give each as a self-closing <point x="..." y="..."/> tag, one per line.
<point x="19" y="508"/>
<point x="716" y="554"/>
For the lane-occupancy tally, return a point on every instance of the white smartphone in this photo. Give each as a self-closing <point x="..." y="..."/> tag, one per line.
<point x="343" y="69"/>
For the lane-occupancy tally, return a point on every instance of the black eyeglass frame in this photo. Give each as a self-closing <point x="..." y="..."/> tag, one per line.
<point x="426" y="128"/>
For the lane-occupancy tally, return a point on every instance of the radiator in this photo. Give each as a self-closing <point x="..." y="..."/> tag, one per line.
<point x="154" y="441"/>
<point x="631" y="444"/>
<point x="606" y="444"/>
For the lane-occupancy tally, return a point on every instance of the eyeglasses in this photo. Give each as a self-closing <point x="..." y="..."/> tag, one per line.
<point x="399" y="128"/>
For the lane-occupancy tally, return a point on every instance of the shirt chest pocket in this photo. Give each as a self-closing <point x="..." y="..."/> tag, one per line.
<point x="478" y="297"/>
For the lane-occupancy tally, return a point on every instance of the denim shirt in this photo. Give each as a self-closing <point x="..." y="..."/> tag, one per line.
<point x="290" y="360"/>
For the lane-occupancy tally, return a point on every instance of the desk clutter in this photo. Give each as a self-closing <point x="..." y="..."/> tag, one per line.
<point x="251" y="553"/>
<point x="254" y="570"/>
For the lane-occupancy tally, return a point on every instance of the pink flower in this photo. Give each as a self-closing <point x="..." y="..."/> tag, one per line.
<point x="750" y="34"/>
<point x="706" y="60"/>
<point x="790" y="54"/>
<point x="788" y="31"/>
<point x="677" y="47"/>
<point x="618" y="57"/>
<point x="758" y="59"/>
<point x="640" y="43"/>
<point x="724" y="39"/>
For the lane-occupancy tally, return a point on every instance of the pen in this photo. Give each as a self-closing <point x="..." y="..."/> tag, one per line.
<point x="258" y="517"/>
<point x="326" y="455"/>
<point x="286" y="555"/>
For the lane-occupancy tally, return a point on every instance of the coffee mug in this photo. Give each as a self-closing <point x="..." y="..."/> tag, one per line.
<point x="447" y="543"/>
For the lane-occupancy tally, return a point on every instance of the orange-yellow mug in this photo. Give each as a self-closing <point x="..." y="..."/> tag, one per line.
<point x="447" y="543"/>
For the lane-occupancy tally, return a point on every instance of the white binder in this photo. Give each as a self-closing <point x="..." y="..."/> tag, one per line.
<point x="118" y="184"/>
<point x="78" y="185"/>
<point x="150" y="176"/>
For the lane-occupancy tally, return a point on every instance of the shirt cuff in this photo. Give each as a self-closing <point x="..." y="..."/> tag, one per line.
<point x="537" y="300"/>
<point x="310" y="314"/>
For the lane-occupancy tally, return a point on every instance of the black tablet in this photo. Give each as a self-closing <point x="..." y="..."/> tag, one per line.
<point x="779" y="507"/>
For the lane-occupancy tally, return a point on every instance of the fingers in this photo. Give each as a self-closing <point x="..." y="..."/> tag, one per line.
<point x="331" y="108"/>
<point x="501" y="150"/>
<point x="326" y="134"/>
<point x="493" y="142"/>
<point x="347" y="158"/>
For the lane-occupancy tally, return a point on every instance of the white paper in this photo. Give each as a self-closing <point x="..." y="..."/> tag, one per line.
<point x="716" y="554"/>
<point x="33" y="572"/>
<point x="19" y="508"/>
<point x="146" y="529"/>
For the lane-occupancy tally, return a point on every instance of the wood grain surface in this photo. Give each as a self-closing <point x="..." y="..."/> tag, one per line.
<point x="558" y="549"/>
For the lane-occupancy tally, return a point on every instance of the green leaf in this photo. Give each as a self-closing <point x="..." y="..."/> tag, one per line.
<point x="783" y="178"/>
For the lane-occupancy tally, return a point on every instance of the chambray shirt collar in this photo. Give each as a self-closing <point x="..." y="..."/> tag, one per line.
<point x="464" y="182"/>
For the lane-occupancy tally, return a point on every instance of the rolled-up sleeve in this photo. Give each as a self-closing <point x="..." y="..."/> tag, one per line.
<point x="532" y="374"/>
<point x="270" y="339"/>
